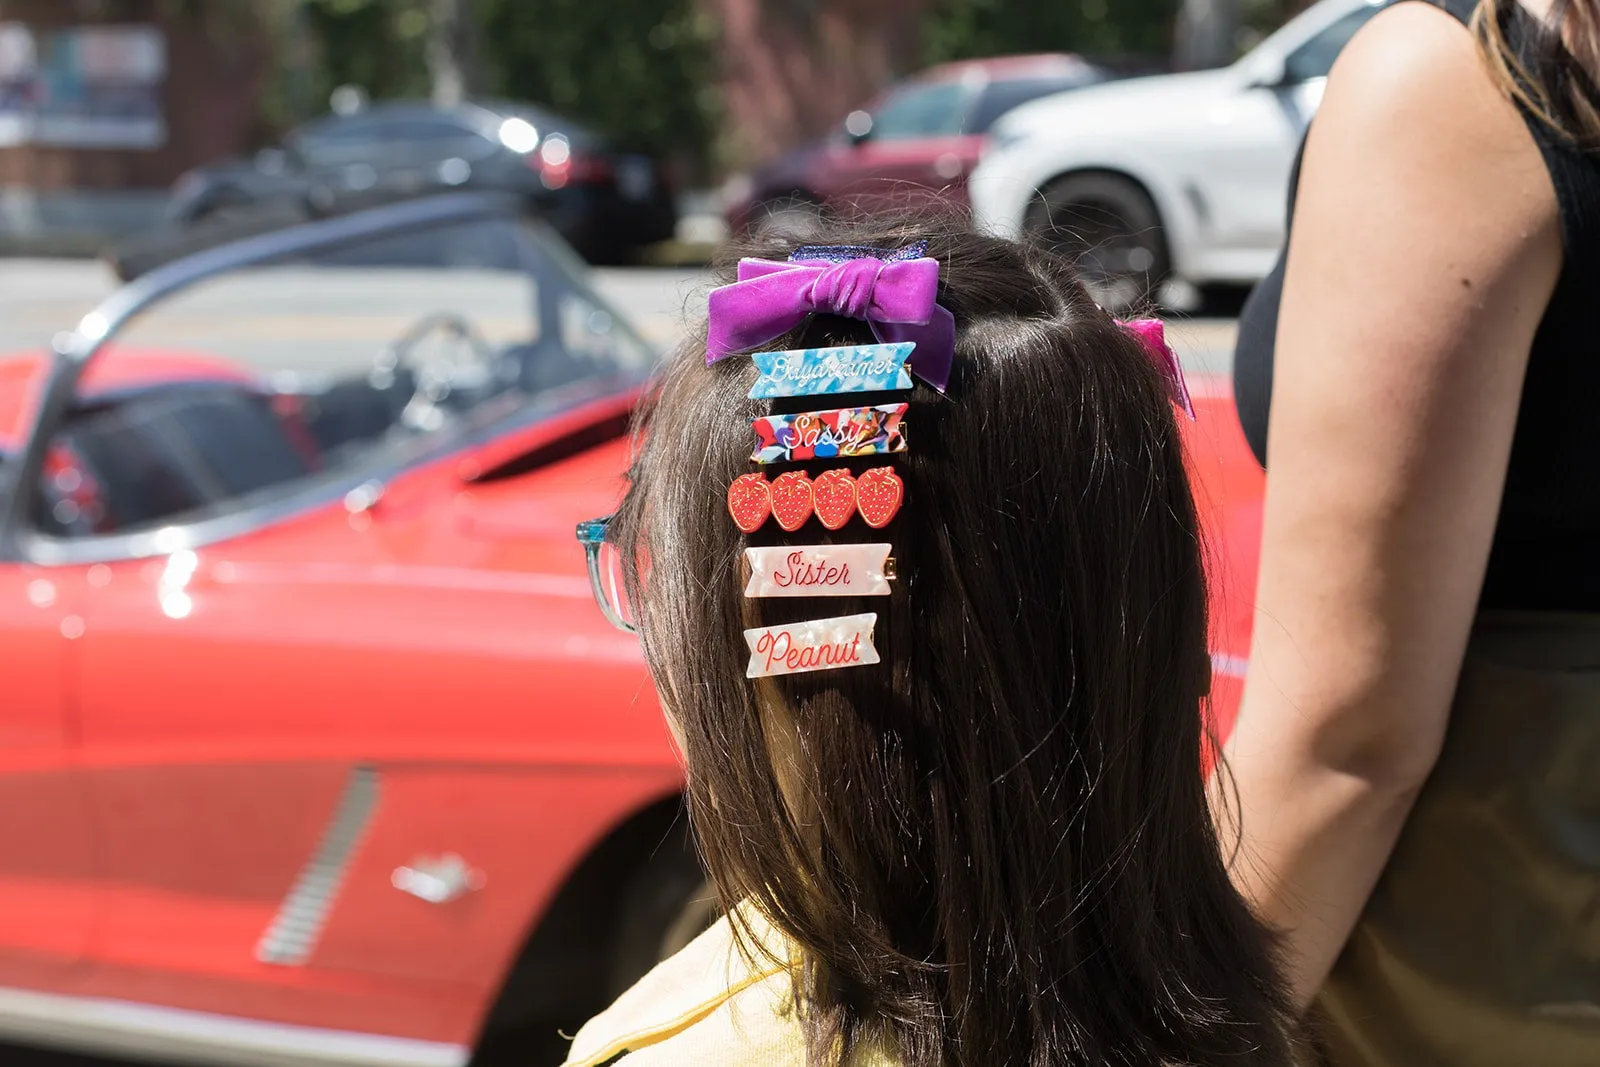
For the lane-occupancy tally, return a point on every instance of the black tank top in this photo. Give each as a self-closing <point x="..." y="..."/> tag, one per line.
<point x="1546" y="551"/>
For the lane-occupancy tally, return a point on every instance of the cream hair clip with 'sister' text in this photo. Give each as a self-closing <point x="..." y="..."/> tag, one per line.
<point x="819" y="570"/>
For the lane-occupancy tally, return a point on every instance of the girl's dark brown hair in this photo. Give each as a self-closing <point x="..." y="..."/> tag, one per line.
<point x="994" y="847"/>
<point x="1554" y="77"/>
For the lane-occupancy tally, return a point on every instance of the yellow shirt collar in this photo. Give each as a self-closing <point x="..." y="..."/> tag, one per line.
<point x="706" y="995"/>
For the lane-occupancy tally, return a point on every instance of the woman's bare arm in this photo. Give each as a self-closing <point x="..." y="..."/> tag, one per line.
<point x="1426" y="246"/>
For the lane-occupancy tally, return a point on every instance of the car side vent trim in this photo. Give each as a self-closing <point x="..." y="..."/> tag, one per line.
<point x="293" y="934"/>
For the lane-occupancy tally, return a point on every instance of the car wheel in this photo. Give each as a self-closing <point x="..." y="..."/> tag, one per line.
<point x="1109" y="227"/>
<point x="668" y="903"/>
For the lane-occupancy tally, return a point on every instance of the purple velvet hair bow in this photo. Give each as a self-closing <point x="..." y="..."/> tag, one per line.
<point x="1153" y="335"/>
<point x="893" y="291"/>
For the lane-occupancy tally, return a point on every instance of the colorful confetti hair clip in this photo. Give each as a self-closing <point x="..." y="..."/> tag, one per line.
<point x="833" y="496"/>
<point x="839" y="433"/>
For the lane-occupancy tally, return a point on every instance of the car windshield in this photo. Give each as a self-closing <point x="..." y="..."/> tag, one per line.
<point x="258" y="382"/>
<point x="921" y="110"/>
<point x="1001" y="96"/>
<point x="1314" y="59"/>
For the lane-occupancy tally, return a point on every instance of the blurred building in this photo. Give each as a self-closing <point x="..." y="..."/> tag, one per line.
<point x="102" y="104"/>
<point x="791" y="69"/>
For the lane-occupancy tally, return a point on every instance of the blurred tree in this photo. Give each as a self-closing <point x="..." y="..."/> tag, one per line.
<point x="453" y="51"/>
<point x="639" y="70"/>
<point x="378" y="45"/>
<point x="959" y="29"/>
<point x="1196" y="33"/>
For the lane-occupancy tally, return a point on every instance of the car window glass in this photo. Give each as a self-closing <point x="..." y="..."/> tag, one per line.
<point x="1001" y="96"/>
<point x="165" y="452"/>
<point x="920" y="111"/>
<point x="336" y="131"/>
<point x="1315" y="58"/>
<point x="423" y="129"/>
<point x="335" y="140"/>
<point x="264" y="380"/>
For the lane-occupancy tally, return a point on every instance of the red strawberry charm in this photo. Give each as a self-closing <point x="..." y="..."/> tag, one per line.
<point x="835" y="495"/>
<point x="879" y="492"/>
<point x="750" y="501"/>
<point x="791" y="500"/>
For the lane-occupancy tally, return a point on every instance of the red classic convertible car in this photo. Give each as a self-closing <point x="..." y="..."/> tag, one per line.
<point x="314" y="748"/>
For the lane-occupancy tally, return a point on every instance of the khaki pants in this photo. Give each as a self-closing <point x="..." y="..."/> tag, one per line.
<point x="1481" y="944"/>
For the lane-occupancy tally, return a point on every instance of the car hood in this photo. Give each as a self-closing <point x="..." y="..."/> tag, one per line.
<point x="1133" y="107"/>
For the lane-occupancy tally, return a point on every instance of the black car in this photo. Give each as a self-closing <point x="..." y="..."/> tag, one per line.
<point x="604" y="202"/>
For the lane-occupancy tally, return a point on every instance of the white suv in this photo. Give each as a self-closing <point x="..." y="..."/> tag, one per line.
<point x="1181" y="176"/>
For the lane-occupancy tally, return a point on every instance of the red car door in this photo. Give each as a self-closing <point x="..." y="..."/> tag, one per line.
<point x="48" y="888"/>
<point x="909" y="148"/>
<point x="216" y="781"/>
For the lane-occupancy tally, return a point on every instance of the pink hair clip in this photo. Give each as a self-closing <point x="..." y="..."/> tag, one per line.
<point x="1152" y="333"/>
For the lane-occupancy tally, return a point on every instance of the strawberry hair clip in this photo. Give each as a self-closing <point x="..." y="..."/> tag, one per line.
<point x="833" y="497"/>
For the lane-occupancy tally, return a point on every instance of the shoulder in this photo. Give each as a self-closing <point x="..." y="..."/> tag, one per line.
<point x="1408" y="44"/>
<point x="1419" y="167"/>
<point x="1412" y="89"/>
<point x="706" y="1004"/>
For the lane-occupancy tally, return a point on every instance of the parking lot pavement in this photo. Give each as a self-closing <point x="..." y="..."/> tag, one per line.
<point x="39" y="297"/>
<point x="658" y="301"/>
